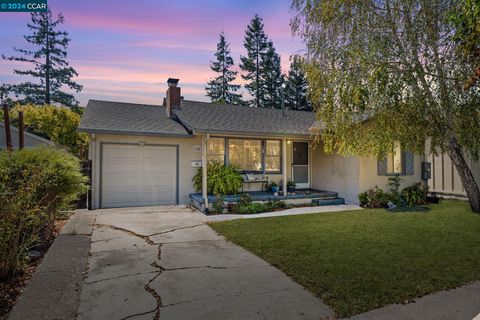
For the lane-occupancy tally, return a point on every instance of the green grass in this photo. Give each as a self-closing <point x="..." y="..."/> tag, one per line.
<point x="356" y="261"/>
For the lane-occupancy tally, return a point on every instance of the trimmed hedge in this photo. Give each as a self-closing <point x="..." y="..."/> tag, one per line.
<point x="36" y="185"/>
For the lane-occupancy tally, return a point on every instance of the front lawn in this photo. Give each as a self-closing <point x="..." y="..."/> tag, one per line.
<point x="361" y="260"/>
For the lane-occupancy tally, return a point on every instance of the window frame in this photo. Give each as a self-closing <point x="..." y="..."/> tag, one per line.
<point x="404" y="169"/>
<point x="263" y="153"/>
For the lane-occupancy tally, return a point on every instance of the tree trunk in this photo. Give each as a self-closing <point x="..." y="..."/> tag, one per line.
<point x="456" y="155"/>
<point x="47" y="66"/>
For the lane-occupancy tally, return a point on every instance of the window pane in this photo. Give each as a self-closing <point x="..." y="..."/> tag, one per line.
<point x="272" y="163"/>
<point x="394" y="162"/>
<point x="215" y="150"/>
<point x="273" y="148"/>
<point x="245" y="154"/>
<point x="272" y="156"/>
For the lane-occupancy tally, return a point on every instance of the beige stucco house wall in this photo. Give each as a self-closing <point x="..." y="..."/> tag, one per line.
<point x="350" y="176"/>
<point x="335" y="173"/>
<point x="369" y="178"/>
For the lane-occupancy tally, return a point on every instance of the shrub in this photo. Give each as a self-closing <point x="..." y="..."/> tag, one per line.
<point x="252" y="208"/>
<point x="218" y="205"/>
<point x="274" y="204"/>
<point x="415" y="195"/>
<point x="221" y="179"/>
<point x="374" y="198"/>
<point x="35" y="186"/>
<point x="245" y="199"/>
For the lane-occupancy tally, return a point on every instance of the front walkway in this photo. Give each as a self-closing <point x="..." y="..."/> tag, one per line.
<point x="165" y="263"/>
<point x="286" y="212"/>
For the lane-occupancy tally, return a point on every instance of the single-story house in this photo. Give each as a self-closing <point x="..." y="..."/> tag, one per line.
<point x="30" y="140"/>
<point x="148" y="154"/>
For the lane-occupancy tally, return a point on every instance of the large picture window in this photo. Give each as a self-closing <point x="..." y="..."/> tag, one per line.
<point x="254" y="155"/>
<point x="272" y="156"/>
<point x="245" y="154"/>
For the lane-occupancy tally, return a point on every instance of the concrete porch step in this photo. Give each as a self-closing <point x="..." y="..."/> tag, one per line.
<point x="328" y="202"/>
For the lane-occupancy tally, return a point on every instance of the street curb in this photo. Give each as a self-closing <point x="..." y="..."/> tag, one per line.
<point x="54" y="290"/>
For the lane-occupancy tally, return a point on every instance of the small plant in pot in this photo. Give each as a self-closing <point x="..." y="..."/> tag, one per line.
<point x="274" y="187"/>
<point x="291" y="186"/>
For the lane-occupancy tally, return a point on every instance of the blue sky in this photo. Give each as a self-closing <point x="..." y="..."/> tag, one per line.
<point x="126" y="50"/>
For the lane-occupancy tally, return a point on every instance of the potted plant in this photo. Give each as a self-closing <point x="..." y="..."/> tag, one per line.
<point x="291" y="186"/>
<point x="274" y="187"/>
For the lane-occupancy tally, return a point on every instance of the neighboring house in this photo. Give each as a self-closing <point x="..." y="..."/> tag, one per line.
<point x="444" y="176"/>
<point x="148" y="154"/>
<point x="30" y="140"/>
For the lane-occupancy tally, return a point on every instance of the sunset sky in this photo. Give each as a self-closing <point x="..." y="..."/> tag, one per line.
<point x="126" y="50"/>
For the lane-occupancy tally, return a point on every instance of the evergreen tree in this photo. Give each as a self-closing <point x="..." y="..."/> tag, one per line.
<point x="220" y="88"/>
<point x="272" y="78"/>
<point x="296" y="87"/>
<point x="256" y="43"/>
<point x="49" y="63"/>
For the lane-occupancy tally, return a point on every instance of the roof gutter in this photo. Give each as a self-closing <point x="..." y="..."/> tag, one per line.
<point x="134" y="133"/>
<point x="253" y="134"/>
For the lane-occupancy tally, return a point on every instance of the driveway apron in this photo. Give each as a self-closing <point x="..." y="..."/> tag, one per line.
<point x="166" y="263"/>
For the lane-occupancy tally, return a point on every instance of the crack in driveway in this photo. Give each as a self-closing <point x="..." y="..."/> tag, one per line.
<point x="147" y="287"/>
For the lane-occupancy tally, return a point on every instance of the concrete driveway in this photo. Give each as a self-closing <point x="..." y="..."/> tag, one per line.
<point x="166" y="263"/>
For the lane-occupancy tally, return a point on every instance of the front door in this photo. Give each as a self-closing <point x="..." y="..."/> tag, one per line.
<point x="300" y="170"/>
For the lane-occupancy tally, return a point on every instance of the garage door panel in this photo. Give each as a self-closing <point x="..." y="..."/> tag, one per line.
<point x="120" y="152"/>
<point x="162" y="181"/>
<point x="121" y="168"/>
<point x="159" y="170"/>
<point x="120" y="199"/>
<point x="125" y="181"/>
<point x="159" y="197"/>
<point x="134" y="175"/>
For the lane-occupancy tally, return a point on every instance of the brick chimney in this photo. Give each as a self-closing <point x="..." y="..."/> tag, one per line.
<point x="173" y="98"/>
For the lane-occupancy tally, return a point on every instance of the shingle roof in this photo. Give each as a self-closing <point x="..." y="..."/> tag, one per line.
<point x="197" y="117"/>
<point x="129" y="118"/>
<point x="203" y="117"/>
<point x="30" y="139"/>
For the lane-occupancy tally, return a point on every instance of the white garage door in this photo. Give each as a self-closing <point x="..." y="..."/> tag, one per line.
<point x="134" y="175"/>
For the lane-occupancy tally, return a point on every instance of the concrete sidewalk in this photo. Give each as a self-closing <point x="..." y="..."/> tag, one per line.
<point x="167" y="264"/>
<point x="54" y="290"/>
<point x="458" y="304"/>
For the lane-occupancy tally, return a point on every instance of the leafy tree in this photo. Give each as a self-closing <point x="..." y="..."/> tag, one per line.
<point x="272" y="78"/>
<point x="220" y="88"/>
<point x="389" y="70"/>
<point x="465" y="17"/>
<point x="49" y="63"/>
<point x="256" y="43"/>
<point x="58" y="124"/>
<point x="296" y="87"/>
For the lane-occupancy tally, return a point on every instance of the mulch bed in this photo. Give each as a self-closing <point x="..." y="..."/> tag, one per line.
<point x="11" y="289"/>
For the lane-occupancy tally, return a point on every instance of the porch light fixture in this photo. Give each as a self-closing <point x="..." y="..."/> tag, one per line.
<point x="289" y="141"/>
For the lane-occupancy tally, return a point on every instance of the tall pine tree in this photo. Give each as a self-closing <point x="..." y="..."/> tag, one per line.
<point x="220" y="89"/>
<point x="272" y="78"/>
<point x="296" y="88"/>
<point x="256" y="43"/>
<point x="50" y="67"/>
